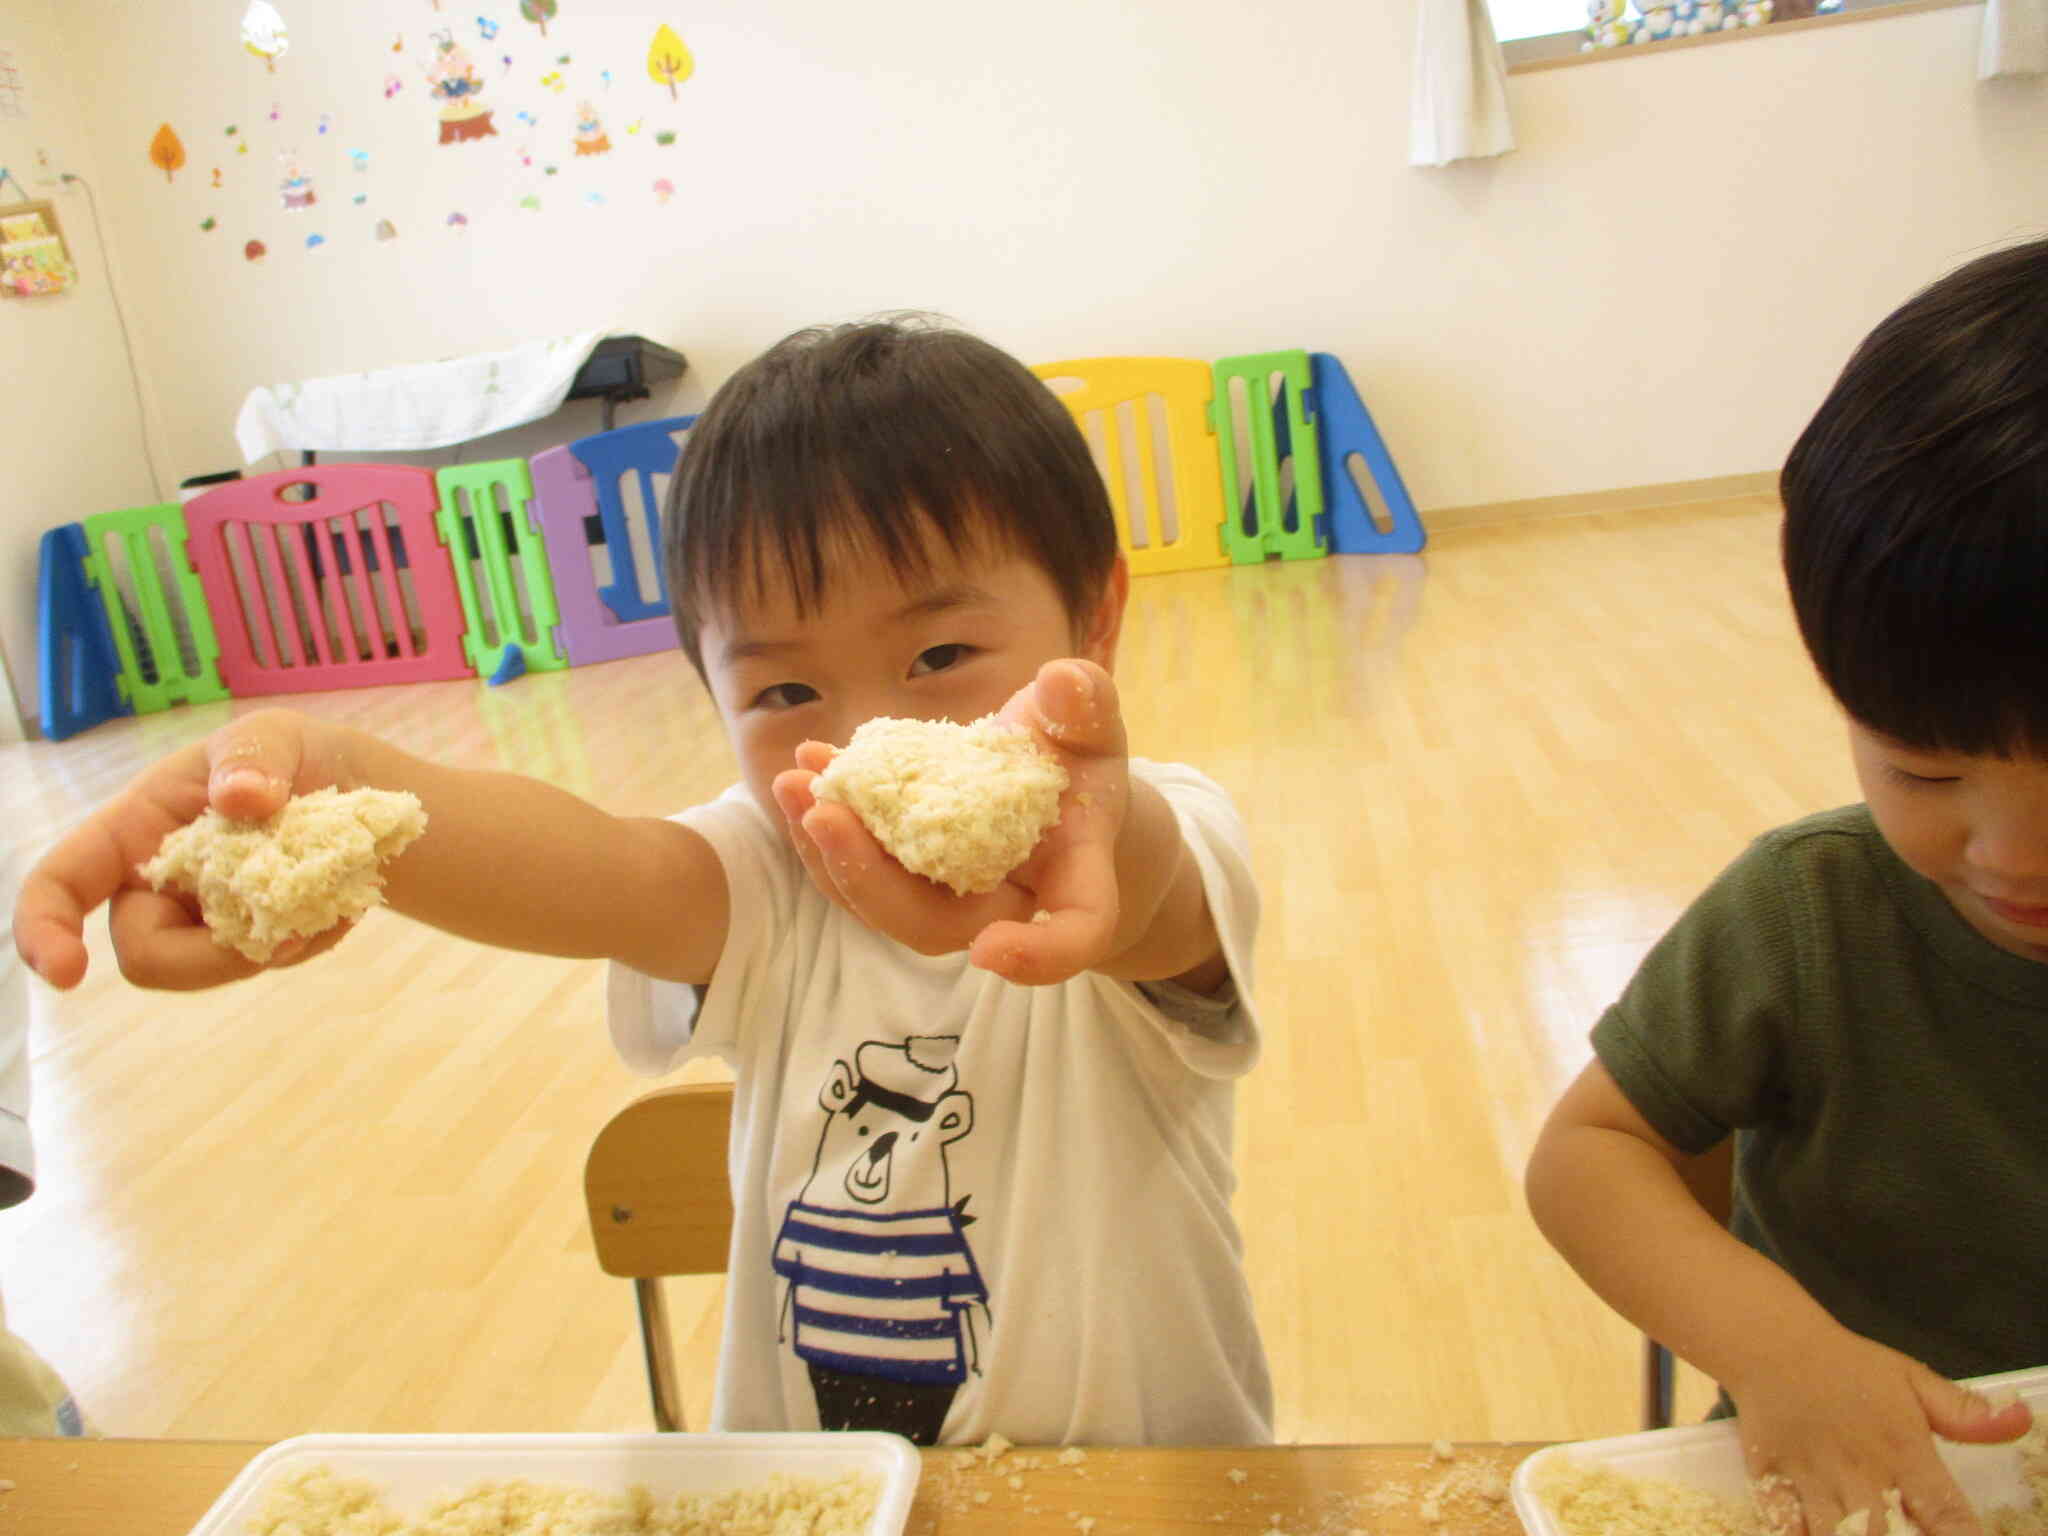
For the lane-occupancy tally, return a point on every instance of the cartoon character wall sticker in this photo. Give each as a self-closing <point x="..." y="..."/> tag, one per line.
<point x="297" y="187"/>
<point x="590" y="134"/>
<point x="883" y="1295"/>
<point x="457" y="90"/>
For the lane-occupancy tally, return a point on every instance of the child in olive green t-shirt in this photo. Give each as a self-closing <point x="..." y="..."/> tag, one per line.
<point x="1861" y="999"/>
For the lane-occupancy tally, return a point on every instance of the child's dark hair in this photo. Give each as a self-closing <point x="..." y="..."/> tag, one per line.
<point x="1916" y="517"/>
<point x="854" y="433"/>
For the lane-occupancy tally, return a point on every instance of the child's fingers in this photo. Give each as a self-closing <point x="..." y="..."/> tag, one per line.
<point x="1078" y="708"/>
<point x="88" y="865"/>
<point x="815" y="756"/>
<point x="910" y="909"/>
<point x="1039" y="954"/>
<point x="160" y="945"/>
<point x="793" y="797"/>
<point x="253" y="763"/>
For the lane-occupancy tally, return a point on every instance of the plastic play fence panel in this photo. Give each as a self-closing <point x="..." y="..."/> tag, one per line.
<point x="156" y="609"/>
<point x="501" y="566"/>
<point x="77" y="671"/>
<point x="1350" y="436"/>
<point x="1264" y="417"/>
<point x="1147" y="423"/>
<point x="329" y="576"/>
<point x="582" y="485"/>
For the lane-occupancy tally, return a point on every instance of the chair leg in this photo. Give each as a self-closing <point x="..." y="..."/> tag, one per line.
<point x="660" y="1357"/>
<point x="1659" y="1376"/>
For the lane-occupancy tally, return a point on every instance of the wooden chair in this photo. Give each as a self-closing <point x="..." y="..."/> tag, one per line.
<point x="1711" y="1178"/>
<point x="660" y="1204"/>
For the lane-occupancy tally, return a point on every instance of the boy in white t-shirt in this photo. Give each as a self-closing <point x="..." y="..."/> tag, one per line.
<point x="981" y="1162"/>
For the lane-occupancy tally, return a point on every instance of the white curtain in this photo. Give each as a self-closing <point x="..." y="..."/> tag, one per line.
<point x="2014" y="40"/>
<point x="1459" y="106"/>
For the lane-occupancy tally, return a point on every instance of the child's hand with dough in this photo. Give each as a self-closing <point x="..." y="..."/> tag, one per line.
<point x="1055" y="914"/>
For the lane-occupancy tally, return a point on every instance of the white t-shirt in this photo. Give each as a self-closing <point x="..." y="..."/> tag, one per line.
<point x="960" y="1201"/>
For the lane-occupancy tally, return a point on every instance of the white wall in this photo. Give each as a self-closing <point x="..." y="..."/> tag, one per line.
<point x="70" y="430"/>
<point x="1656" y="287"/>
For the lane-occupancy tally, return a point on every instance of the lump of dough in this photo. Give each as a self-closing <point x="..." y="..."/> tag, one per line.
<point x="310" y="866"/>
<point x="960" y="804"/>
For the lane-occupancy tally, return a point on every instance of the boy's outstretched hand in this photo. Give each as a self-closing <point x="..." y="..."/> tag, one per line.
<point x="1071" y="707"/>
<point x="247" y="770"/>
<point x="1838" y="1427"/>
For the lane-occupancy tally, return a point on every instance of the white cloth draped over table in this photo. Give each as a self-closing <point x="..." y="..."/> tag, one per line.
<point x="1459" y="105"/>
<point x="2014" y="40"/>
<point x="419" y="405"/>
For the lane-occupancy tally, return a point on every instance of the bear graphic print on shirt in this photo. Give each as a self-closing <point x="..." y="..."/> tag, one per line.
<point x="882" y="1294"/>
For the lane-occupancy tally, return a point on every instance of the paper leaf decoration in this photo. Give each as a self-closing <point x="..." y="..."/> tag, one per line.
<point x="264" y="33"/>
<point x="538" y="12"/>
<point x="668" y="61"/>
<point x="166" y="153"/>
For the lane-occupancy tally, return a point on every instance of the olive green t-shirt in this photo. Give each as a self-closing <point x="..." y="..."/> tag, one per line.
<point x="1885" y="1069"/>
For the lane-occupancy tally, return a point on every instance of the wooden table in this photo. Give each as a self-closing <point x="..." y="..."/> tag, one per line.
<point x="163" y="1487"/>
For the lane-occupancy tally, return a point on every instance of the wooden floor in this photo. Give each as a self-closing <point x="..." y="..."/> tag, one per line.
<point x="1479" y="782"/>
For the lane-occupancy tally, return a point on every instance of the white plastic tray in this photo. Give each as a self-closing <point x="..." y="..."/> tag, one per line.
<point x="1709" y="1457"/>
<point x="414" y="1469"/>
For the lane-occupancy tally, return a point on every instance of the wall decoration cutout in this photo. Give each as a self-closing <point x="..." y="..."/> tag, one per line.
<point x="591" y="138"/>
<point x="297" y="187"/>
<point x="486" y="27"/>
<point x="209" y="223"/>
<point x="167" y="152"/>
<point x="314" y="242"/>
<point x="264" y="34"/>
<point x="453" y="81"/>
<point x="386" y="230"/>
<point x="664" y="189"/>
<point x="668" y="61"/>
<point x="216" y="175"/>
<point x="538" y="12"/>
<point x="253" y="251"/>
<point x="392" y="86"/>
<point x="458" y="221"/>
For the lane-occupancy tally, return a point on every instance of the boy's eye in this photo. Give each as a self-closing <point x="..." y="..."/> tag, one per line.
<point x="937" y="658"/>
<point x="1906" y="776"/>
<point x="784" y="696"/>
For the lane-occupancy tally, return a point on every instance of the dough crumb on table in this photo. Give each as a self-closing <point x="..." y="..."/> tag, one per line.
<point x="315" y="1501"/>
<point x="961" y="805"/>
<point x="314" y="864"/>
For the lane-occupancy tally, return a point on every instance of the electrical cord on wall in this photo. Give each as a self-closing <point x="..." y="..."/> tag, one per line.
<point x="156" y="479"/>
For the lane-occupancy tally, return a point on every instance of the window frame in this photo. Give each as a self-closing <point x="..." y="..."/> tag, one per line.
<point x="1560" y="50"/>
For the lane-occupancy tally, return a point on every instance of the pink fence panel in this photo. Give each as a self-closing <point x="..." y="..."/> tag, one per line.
<point x="330" y="576"/>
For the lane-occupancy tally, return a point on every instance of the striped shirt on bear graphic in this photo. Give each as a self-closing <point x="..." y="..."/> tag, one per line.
<point x="879" y="1295"/>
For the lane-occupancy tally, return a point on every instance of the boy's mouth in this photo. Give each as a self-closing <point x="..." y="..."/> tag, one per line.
<point x="2014" y="912"/>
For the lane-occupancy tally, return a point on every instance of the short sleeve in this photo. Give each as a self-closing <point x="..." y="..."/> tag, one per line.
<point x="654" y="1023"/>
<point x="1697" y="1041"/>
<point x="1215" y="1041"/>
<point x="17" y="1152"/>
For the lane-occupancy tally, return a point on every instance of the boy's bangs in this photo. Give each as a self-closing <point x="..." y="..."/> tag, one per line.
<point x="788" y="545"/>
<point x="1943" y="645"/>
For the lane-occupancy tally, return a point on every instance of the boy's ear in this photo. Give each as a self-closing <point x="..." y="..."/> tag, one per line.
<point x="1106" y="621"/>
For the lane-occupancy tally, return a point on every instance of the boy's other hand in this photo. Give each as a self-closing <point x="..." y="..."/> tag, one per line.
<point x="1072" y="708"/>
<point x="1852" y="1419"/>
<point x="246" y="770"/>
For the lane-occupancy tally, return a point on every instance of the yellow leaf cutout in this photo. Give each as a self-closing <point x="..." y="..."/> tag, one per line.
<point x="165" y="152"/>
<point x="668" y="61"/>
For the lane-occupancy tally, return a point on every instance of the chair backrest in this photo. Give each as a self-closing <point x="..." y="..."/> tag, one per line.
<point x="656" y="1185"/>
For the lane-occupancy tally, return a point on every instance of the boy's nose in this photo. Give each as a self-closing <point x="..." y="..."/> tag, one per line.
<point x="2011" y="848"/>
